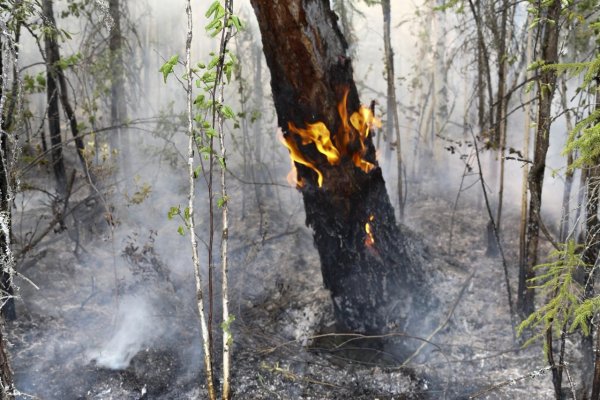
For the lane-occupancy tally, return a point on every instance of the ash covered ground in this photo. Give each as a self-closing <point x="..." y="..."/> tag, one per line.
<point x="115" y="318"/>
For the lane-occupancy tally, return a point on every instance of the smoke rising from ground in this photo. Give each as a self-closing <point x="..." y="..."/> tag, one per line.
<point x="135" y="326"/>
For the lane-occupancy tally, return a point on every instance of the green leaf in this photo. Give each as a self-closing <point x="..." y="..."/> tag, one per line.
<point x="222" y="201"/>
<point x="236" y="22"/>
<point x="167" y="67"/>
<point x="181" y="231"/>
<point x="212" y="8"/>
<point x="173" y="211"/>
<point x="214" y="62"/>
<point x="211" y="132"/>
<point x="217" y="29"/>
<point x="197" y="171"/>
<point x="212" y="25"/>
<point x="205" y="150"/>
<point x="227" y="112"/>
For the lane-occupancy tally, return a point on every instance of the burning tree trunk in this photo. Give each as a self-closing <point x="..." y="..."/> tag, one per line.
<point x="364" y="259"/>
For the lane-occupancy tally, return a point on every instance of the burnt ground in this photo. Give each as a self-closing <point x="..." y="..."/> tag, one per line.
<point x="124" y="299"/>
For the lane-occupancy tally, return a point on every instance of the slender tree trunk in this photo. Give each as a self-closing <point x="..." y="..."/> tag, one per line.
<point x="393" y="122"/>
<point x="52" y="58"/>
<point x="590" y="257"/>
<point x="118" y="108"/>
<point x="64" y="99"/>
<point x="351" y="206"/>
<point x="7" y="116"/>
<point x="546" y="88"/>
<point x="592" y="249"/>
<point x="526" y="141"/>
<point x="8" y="105"/>
<point x="440" y="78"/>
<point x="190" y="216"/>
<point x="238" y="73"/>
<point x="566" y="200"/>
<point x="502" y="105"/>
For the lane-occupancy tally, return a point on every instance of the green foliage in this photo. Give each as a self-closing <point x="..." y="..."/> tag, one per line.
<point x="220" y="18"/>
<point x="451" y="4"/>
<point x="173" y="212"/>
<point x="221" y="202"/>
<point x="167" y="67"/>
<point x="226" y="327"/>
<point x="556" y="282"/>
<point x="585" y="137"/>
<point x="34" y="84"/>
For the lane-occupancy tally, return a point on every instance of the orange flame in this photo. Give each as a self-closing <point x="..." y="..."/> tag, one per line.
<point x="297" y="156"/>
<point x="369" y="240"/>
<point x="352" y="134"/>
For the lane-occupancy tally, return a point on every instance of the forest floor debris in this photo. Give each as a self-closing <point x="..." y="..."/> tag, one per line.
<point x="281" y="309"/>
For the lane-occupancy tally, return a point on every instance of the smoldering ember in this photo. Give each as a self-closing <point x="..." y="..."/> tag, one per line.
<point x="300" y="199"/>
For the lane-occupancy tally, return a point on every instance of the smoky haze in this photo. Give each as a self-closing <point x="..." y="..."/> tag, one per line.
<point x="130" y="286"/>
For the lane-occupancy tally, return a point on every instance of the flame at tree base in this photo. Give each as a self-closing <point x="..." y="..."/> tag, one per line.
<point x="369" y="240"/>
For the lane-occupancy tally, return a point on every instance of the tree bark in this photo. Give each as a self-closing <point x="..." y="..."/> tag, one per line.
<point x="502" y="103"/>
<point x="310" y="72"/>
<point x="546" y="88"/>
<point x="592" y="249"/>
<point x="7" y="115"/>
<point x="566" y="200"/>
<point x="118" y="105"/>
<point x="64" y="99"/>
<point x="526" y="140"/>
<point x="392" y="123"/>
<point x="52" y="59"/>
<point x="8" y="105"/>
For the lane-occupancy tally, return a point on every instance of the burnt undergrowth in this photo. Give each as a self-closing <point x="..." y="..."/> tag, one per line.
<point x="91" y="333"/>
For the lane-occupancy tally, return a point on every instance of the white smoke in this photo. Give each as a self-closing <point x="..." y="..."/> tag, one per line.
<point x="135" y="327"/>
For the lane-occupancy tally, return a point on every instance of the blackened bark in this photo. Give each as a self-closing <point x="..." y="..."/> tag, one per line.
<point x="52" y="58"/>
<point x="547" y="86"/>
<point x="64" y="99"/>
<point x="310" y="72"/>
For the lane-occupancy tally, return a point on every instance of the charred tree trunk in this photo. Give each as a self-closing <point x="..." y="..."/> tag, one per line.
<point x="546" y="88"/>
<point x="310" y="73"/>
<point x="64" y="99"/>
<point x="52" y="59"/>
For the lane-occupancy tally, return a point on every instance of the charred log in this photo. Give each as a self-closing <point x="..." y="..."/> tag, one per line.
<point x="364" y="260"/>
